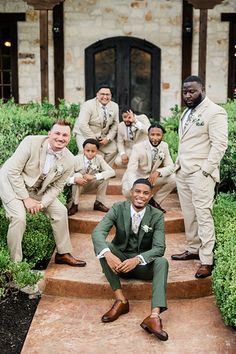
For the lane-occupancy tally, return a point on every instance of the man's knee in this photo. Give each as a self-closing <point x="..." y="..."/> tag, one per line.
<point x="172" y="181"/>
<point x="161" y="262"/>
<point x="19" y="219"/>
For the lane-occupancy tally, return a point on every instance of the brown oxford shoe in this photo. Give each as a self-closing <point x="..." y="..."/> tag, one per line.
<point x="204" y="271"/>
<point x="154" y="325"/>
<point x="185" y="256"/>
<point x="67" y="258"/>
<point x="100" y="207"/>
<point x="153" y="203"/>
<point x="73" y="209"/>
<point x="117" y="309"/>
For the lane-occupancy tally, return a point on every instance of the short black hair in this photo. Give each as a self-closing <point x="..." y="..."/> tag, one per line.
<point x="157" y="125"/>
<point x="91" y="141"/>
<point x="126" y="109"/>
<point x="142" y="181"/>
<point x="194" y="78"/>
<point x="101" y="86"/>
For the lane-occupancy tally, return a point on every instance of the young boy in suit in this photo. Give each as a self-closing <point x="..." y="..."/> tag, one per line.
<point x="91" y="172"/>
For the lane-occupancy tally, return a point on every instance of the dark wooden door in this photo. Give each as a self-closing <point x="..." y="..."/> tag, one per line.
<point x="131" y="67"/>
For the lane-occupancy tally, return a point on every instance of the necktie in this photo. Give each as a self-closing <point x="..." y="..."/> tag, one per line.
<point x="130" y="133"/>
<point x="188" y="120"/>
<point x="104" y="116"/>
<point x="154" y="155"/>
<point x="88" y="166"/>
<point x="135" y="223"/>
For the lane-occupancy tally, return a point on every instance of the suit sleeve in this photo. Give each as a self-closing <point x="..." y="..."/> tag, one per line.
<point x="132" y="167"/>
<point x="107" y="171"/>
<point x="17" y="164"/>
<point x="102" y="230"/>
<point x="218" y="135"/>
<point x="158" y="242"/>
<point x="83" y="121"/>
<point x="120" y="140"/>
<point x="168" y="165"/>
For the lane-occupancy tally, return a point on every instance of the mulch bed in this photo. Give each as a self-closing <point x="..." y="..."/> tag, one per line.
<point x="16" y="313"/>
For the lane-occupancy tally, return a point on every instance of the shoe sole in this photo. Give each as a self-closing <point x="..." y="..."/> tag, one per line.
<point x="114" y="319"/>
<point x="150" y="331"/>
<point x="71" y="265"/>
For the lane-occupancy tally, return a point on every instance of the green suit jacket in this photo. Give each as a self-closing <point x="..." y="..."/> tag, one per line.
<point x="151" y="243"/>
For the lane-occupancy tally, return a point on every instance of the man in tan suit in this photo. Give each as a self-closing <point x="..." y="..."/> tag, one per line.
<point x="132" y="130"/>
<point x="151" y="159"/>
<point x="91" y="172"/>
<point x="30" y="180"/>
<point x="98" y="119"/>
<point x="202" y="144"/>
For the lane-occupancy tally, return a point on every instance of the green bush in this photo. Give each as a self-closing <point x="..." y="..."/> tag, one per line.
<point x="171" y="126"/>
<point x="224" y="274"/>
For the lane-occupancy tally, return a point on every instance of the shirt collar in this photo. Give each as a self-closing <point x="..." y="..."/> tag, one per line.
<point x="140" y="213"/>
<point x="57" y="154"/>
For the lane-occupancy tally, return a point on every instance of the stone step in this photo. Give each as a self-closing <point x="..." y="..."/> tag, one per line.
<point x="89" y="282"/>
<point x="71" y="325"/>
<point x="86" y="218"/>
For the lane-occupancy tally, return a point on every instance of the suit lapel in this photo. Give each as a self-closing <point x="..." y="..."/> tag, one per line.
<point x="149" y="155"/>
<point x="127" y="220"/>
<point x="145" y="221"/>
<point x="42" y="157"/>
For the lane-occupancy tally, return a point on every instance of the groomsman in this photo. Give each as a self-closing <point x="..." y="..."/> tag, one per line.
<point x="136" y="251"/>
<point x="132" y="130"/>
<point x="91" y="173"/>
<point x="98" y="119"/>
<point x="202" y="144"/>
<point x="30" y="180"/>
<point x="151" y="159"/>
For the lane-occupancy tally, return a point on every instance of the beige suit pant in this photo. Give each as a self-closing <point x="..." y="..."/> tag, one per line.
<point x="108" y="151"/>
<point x="196" y="195"/>
<point x="165" y="186"/>
<point x="16" y="212"/>
<point x="99" y="186"/>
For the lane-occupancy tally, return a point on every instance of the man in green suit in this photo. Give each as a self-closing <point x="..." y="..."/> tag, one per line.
<point x="136" y="251"/>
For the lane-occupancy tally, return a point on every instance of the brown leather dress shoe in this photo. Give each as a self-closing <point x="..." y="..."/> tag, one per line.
<point x="153" y="203"/>
<point x="117" y="309"/>
<point x="154" y="325"/>
<point x="204" y="271"/>
<point x="185" y="256"/>
<point x="73" y="209"/>
<point x="67" y="258"/>
<point x="100" y="207"/>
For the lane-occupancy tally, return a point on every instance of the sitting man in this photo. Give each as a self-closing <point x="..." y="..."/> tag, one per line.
<point x="91" y="172"/>
<point x="30" y="180"/>
<point x="99" y="119"/>
<point x="136" y="251"/>
<point x="132" y="130"/>
<point x="151" y="159"/>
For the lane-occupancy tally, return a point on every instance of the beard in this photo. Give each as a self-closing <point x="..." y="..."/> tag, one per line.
<point x="154" y="145"/>
<point x="196" y="102"/>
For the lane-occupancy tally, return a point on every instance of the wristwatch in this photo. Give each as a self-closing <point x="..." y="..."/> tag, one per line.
<point x="205" y="173"/>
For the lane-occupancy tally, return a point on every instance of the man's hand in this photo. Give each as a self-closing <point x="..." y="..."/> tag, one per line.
<point x="81" y="181"/>
<point x="104" y="141"/>
<point x="127" y="265"/>
<point x="153" y="177"/>
<point x="112" y="261"/>
<point x="33" y="206"/>
<point x="88" y="177"/>
<point x="124" y="159"/>
<point x="131" y="116"/>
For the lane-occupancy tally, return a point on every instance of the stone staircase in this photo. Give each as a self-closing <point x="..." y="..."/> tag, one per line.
<point x="74" y="299"/>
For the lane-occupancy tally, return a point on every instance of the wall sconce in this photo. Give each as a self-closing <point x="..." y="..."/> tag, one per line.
<point x="7" y="44"/>
<point x="187" y="26"/>
<point x="56" y="28"/>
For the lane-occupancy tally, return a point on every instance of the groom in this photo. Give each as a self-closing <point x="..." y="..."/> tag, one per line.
<point x="136" y="251"/>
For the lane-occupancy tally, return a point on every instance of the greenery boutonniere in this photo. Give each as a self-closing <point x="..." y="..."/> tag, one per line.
<point x="146" y="228"/>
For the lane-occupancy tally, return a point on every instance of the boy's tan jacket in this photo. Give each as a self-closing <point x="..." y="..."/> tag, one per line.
<point x="23" y="169"/>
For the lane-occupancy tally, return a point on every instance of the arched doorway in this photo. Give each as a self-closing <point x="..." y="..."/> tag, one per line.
<point x="131" y="66"/>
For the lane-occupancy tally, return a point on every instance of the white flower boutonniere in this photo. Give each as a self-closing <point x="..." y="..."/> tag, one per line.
<point x="161" y="155"/>
<point x="110" y="113"/>
<point x="146" y="228"/>
<point x="59" y="168"/>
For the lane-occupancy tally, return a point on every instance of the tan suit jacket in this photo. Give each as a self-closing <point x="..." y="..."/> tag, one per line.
<point x="99" y="165"/>
<point x="140" y="162"/>
<point x="124" y="144"/>
<point x="89" y="124"/>
<point x="23" y="169"/>
<point x="203" y="142"/>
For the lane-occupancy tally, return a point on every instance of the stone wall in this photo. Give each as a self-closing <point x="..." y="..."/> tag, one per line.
<point x="87" y="21"/>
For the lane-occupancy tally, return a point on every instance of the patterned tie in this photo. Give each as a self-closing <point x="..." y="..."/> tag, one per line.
<point x="135" y="223"/>
<point x="130" y="133"/>
<point x="154" y="155"/>
<point x="89" y="163"/>
<point x="104" y="116"/>
<point x="188" y="120"/>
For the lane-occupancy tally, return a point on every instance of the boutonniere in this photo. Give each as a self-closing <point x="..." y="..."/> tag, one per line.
<point x="161" y="155"/>
<point x="146" y="228"/>
<point x="110" y="113"/>
<point x="94" y="167"/>
<point x="196" y="119"/>
<point x="59" y="168"/>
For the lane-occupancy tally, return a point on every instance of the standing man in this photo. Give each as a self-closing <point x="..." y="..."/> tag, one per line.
<point x="132" y="130"/>
<point x="151" y="159"/>
<point x="30" y="180"/>
<point x="136" y="251"/>
<point x="99" y="119"/>
<point x="202" y="144"/>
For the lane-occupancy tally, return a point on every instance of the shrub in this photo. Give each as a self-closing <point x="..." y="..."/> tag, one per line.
<point x="224" y="274"/>
<point x="171" y="126"/>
